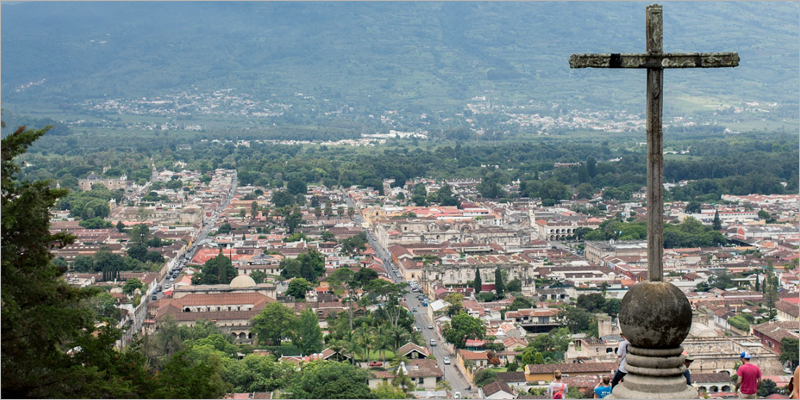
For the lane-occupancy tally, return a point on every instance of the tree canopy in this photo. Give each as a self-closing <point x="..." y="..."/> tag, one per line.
<point x="216" y="271"/>
<point x="463" y="327"/>
<point x="273" y="323"/>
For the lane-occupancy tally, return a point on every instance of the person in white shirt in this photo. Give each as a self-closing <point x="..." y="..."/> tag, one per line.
<point x="557" y="389"/>
<point x="622" y="352"/>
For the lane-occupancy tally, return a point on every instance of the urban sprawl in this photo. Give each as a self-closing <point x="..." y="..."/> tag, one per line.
<point x="537" y="275"/>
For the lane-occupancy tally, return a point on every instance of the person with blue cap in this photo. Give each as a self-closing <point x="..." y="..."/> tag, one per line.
<point x="749" y="377"/>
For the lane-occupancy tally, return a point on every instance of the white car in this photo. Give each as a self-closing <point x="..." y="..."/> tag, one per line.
<point x="446" y="360"/>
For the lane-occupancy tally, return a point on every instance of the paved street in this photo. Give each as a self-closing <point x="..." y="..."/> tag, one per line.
<point x="200" y="237"/>
<point x="452" y="374"/>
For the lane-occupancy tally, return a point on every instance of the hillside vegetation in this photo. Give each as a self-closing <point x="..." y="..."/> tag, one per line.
<point x="421" y="57"/>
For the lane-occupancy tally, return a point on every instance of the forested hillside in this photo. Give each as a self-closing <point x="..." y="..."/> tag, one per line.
<point x="422" y="57"/>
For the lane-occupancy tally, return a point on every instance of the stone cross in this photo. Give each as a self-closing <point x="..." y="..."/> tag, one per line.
<point x="655" y="60"/>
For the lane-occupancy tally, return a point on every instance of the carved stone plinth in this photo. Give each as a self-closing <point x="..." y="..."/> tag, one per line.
<point x="654" y="374"/>
<point x="655" y="317"/>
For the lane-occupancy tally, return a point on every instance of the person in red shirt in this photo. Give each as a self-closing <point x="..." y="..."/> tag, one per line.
<point x="749" y="377"/>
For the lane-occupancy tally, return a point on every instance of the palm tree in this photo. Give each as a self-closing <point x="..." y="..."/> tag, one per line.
<point x="337" y="347"/>
<point x="397" y="336"/>
<point x="382" y="341"/>
<point x="365" y="340"/>
<point x="351" y="344"/>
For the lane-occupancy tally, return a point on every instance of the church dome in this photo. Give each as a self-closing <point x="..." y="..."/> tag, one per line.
<point x="242" y="281"/>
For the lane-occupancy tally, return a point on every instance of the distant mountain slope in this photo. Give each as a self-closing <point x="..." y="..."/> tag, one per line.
<point x="422" y="55"/>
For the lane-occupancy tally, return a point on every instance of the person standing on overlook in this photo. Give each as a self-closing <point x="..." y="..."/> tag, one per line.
<point x="687" y="361"/>
<point x="557" y="389"/>
<point x="749" y="377"/>
<point x="603" y="388"/>
<point x="622" y="352"/>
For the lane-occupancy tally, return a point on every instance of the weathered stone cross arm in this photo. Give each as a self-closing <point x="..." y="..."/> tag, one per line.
<point x="661" y="60"/>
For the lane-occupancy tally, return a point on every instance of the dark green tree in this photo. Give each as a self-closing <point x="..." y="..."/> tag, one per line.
<point x="296" y="186"/>
<point x="258" y="276"/>
<point x="354" y="244"/>
<point x="721" y="280"/>
<point x="256" y="373"/>
<point x="485" y="377"/>
<point x="105" y="305"/>
<point x="131" y="285"/>
<point x="225" y="229"/>
<point x="48" y="346"/>
<point x="138" y="252"/>
<point x="294" y="219"/>
<point x="308" y="337"/>
<point x="185" y="376"/>
<point x="717" y="224"/>
<point x="83" y="264"/>
<point x="693" y="207"/>
<point x="477" y="284"/>
<point x="282" y="198"/>
<point x="216" y="271"/>
<point x="120" y="227"/>
<point x="611" y="307"/>
<point x="490" y="188"/>
<point x="591" y="166"/>
<point x="789" y="352"/>
<point x="95" y="223"/>
<point x="444" y="196"/>
<point x="767" y="388"/>
<point x="463" y="327"/>
<point x="298" y="288"/>
<point x="329" y="380"/>
<point x="364" y="275"/>
<point x="515" y="285"/>
<point x="499" y="285"/>
<point x="591" y="302"/>
<point x="519" y="303"/>
<point x="577" y="319"/>
<point x="139" y="233"/>
<point x="273" y="323"/>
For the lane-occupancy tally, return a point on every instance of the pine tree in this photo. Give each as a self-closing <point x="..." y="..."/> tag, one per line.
<point x="717" y="224"/>
<point x="477" y="284"/>
<point x="757" y="284"/>
<point x="499" y="287"/>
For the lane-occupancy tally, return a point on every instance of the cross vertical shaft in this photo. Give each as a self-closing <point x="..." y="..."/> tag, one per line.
<point x="655" y="152"/>
<point x="655" y="61"/>
<point x="656" y="316"/>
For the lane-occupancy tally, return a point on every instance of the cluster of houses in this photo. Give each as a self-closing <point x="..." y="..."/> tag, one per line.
<point x="442" y="249"/>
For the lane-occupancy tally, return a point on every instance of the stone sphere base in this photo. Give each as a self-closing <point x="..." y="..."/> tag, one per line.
<point x="629" y="389"/>
<point x="654" y="374"/>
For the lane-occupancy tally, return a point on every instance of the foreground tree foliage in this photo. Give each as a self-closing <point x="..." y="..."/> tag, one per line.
<point x="52" y="343"/>
<point x="48" y="347"/>
<point x="329" y="380"/>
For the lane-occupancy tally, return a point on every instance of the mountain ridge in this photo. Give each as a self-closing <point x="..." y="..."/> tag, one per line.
<point x="427" y="56"/>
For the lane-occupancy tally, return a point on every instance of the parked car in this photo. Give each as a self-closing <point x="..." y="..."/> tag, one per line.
<point x="430" y="326"/>
<point x="424" y="304"/>
<point x="446" y="360"/>
<point x="154" y="298"/>
<point x="433" y="342"/>
<point x="413" y="310"/>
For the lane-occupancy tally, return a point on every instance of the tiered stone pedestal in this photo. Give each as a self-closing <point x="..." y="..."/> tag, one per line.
<point x="655" y="317"/>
